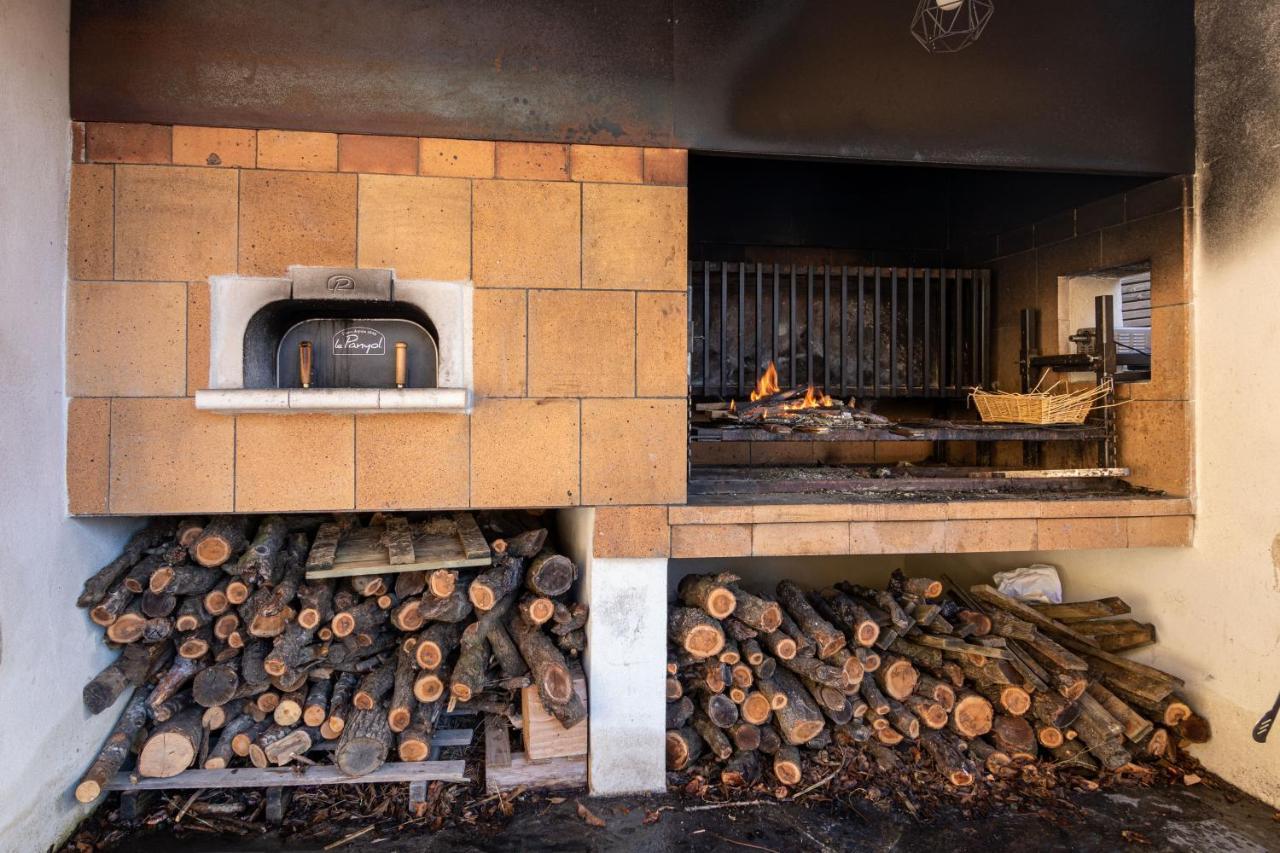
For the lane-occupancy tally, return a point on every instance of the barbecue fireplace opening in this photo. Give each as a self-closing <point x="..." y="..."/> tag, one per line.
<point x="842" y="316"/>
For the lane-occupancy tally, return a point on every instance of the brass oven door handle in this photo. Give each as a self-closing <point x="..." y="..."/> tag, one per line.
<point x="402" y="363"/>
<point x="304" y="363"/>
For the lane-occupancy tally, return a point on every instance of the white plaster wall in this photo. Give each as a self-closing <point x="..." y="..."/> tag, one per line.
<point x="47" y="647"/>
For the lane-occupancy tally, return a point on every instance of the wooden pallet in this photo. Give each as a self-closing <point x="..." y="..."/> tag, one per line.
<point x="445" y="542"/>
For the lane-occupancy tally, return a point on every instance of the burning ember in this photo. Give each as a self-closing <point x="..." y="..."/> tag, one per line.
<point x="767" y="386"/>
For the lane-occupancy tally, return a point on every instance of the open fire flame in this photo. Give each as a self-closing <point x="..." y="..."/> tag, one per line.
<point x="768" y="385"/>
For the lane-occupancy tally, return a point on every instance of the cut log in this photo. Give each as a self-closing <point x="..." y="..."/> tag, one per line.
<point x="491" y="585"/>
<point x="876" y="701"/>
<point x="184" y="579"/>
<point x="679" y="712"/>
<point x="158" y="605"/>
<point x="1050" y="737"/>
<point x="1118" y="635"/>
<point x="742" y="770"/>
<point x="114" y="752"/>
<point x="786" y="765"/>
<point x="429" y="686"/>
<point x="717" y="742"/>
<point x="374" y="686"/>
<point x="972" y="716"/>
<point x="897" y="677"/>
<point x="1136" y="727"/>
<point x="930" y="712"/>
<point x="172" y="746"/>
<point x="800" y="721"/>
<point x="112" y="605"/>
<point x="1073" y="754"/>
<point x="364" y="744"/>
<point x="694" y="631"/>
<point x="754" y="611"/>
<point x="709" y="593"/>
<point x="288" y="712"/>
<point x="174" y="679"/>
<point x="215" y="685"/>
<point x="827" y="638"/>
<point x="315" y="604"/>
<point x="221" y="753"/>
<point x="1009" y="698"/>
<point x="316" y="709"/>
<point x="414" y="743"/>
<point x="780" y="645"/>
<point x="155" y="532"/>
<point x="852" y="617"/>
<point x="951" y="764"/>
<point x="550" y="574"/>
<point x="468" y="675"/>
<point x="745" y="736"/>
<point x="717" y="707"/>
<point x="1013" y="735"/>
<point x="452" y="608"/>
<point x="132" y="668"/>
<point x="340" y="701"/>
<point x="550" y="674"/>
<point x="222" y="538"/>
<point x="683" y="747"/>
<point x="941" y="692"/>
<point x="195" y="644"/>
<point x="537" y="610"/>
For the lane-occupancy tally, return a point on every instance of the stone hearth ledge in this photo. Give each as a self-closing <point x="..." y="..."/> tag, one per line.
<point x="229" y="401"/>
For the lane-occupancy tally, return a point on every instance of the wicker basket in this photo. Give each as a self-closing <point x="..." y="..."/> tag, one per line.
<point x="1038" y="407"/>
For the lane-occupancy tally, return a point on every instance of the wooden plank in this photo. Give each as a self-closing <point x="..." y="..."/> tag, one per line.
<point x="990" y="595"/>
<point x="318" y="774"/>
<point x="543" y="735"/>
<point x="1082" y="611"/>
<point x="1132" y="666"/>
<point x="952" y="644"/>
<point x="473" y="542"/>
<point x="324" y="547"/>
<point x="554" y="773"/>
<point x="364" y="553"/>
<point x="497" y="741"/>
<point x="1049" y="473"/>
<point x="399" y="541"/>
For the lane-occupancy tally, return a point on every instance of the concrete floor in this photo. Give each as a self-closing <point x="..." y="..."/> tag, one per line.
<point x="1163" y="819"/>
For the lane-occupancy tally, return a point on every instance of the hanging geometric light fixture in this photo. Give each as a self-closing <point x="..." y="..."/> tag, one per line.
<point x="947" y="26"/>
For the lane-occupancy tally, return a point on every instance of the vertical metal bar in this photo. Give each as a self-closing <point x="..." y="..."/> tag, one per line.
<point x="875" y="343"/>
<point x="926" y="363"/>
<point x="844" y="327"/>
<point x="942" y="331"/>
<point x="742" y="309"/>
<point x="759" y="311"/>
<point x="724" y="320"/>
<point x="706" y="328"/>
<point x="911" y="329"/>
<point x="975" y="300"/>
<point x="773" y="351"/>
<point x="1105" y="342"/>
<point x="808" y="330"/>
<point x="826" y="327"/>
<point x="986" y="329"/>
<point x="958" y="346"/>
<point x="893" y="332"/>
<point x="791" y="329"/>
<point x="857" y="361"/>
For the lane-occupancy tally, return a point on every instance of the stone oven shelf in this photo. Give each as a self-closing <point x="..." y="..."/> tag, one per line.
<point x="285" y="401"/>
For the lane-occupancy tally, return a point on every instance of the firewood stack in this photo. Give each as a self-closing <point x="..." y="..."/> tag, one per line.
<point x="236" y="658"/>
<point x="979" y="682"/>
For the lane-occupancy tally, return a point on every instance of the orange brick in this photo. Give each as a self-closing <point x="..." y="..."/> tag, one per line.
<point x="167" y="457"/>
<point x="79" y="143"/>
<point x="412" y="461"/>
<point x="903" y="451"/>
<point x="991" y="535"/>
<point x="996" y="509"/>
<point x="790" y="513"/>
<point x="215" y="146"/>
<point x="710" y="514"/>
<point x="198" y="342"/>
<point x="387" y="155"/>
<point x="526" y="234"/>
<point x="711" y="540"/>
<point x="1155" y="441"/>
<point x="633" y="451"/>
<point x="126" y="339"/>
<point x="844" y="452"/>
<point x="1065" y="534"/>
<point x="606" y="163"/>
<point x="781" y="452"/>
<point x="456" y="158"/>
<point x="420" y="227"/>
<point x="803" y="539"/>
<point x="114" y="142"/>
<point x="295" y="463"/>
<point x="532" y="161"/>
<point x="297" y="150"/>
<point x="88" y="456"/>
<point x="1169" y="531"/>
<point x="902" y="511"/>
<point x="662" y="345"/>
<point x="91" y="222"/>
<point x="666" y="166"/>
<point x="634" y="237"/>
<point x="174" y="223"/>
<point x="720" y="453"/>
<point x="631" y="531"/>
<point x="897" y="537"/>
<point x="498" y="342"/>
<point x="581" y="343"/>
<point x="1161" y="240"/>
<point x="524" y="453"/>
<point x="289" y="218"/>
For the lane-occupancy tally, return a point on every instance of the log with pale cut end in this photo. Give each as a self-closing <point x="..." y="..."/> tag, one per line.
<point x="889" y="736"/>
<point x="755" y="708"/>
<point x="897" y="677"/>
<point x="905" y="722"/>
<point x="222" y="538"/>
<point x="467" y="678"/>
<point x="138" y="579"/>
<point x="112" y="605"/>
<point x="536" y="609"/>
<point x="550" y="574"/>
<point x="429" y="686"/>
<point x="374" y="686"/>
<point x="127" y="627"/>
<point x="754" y="611"/>
<point x="742" y="770"/>
<point x="191" y="613"/>
<point x="184" y="579"/>
<point x="714" y="737"/>
<point x="1009" y="698"/>
<point x="786" y="765"/>
<point x="221" y="753"/>
<point x="922" y="587"/>
<point x="114" y="752"/>
<point x="242" y="741"/>
<point x="132" y="668"/>
<point x="258" y="749"/>
<point x="826" y="637"/>
<point x="683" y="747"/>
<point x="741" y="676"/>
<point x="368" y="585"/>
<point x="709" y="593"/>
<point x="315" y="604"/>
<point x="1159" y="744"/>
<point x="188" y="531"/>
<point x="876" y="701"/>
<point x="406" y="617"/>
<point x="491" y="585"/>
<point x="996" y="762"/>
<point x="297" y="742"/>
<point x="340" y="701"/>
<point x="1050" y="737"/>
<point x="288" y="712"/>
<point x="972" y="715"/>
<point x="316" y="709"/>
<point x="290" y="651"/>
<point x="800" y="720"/>
<point x="1013" y="735"/>
<point x="195" y="644"/>
<point x="929" y="711"/>
<point x="974" y="623"/>
<point x="679" y="712"/>
<point x="781" y="646"/>
<point x="694" y="631"/>
<point x="363" y="618"/>
<point x="851" y="616"/>
<point x="674" y="688"/>
<point x="435" y="643"/>
<point x="751" y="652"/>
<point x="849" y="665"/>
<point x="365" y="742"/>
<point x="1172" y="711"/>
<point x="172" y="746"/>
<point x="155" y="532"/>
<point x="174" y="679"/>
<point x="238" y="591"/>
<point x="215" y="685"/>
<point x="869" y="659"/>
<point x="954" y="766"/>
<point x="414" y="743"/>
<point x="940" y="691"/>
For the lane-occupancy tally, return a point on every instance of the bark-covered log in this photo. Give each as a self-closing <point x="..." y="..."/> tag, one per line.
<point x="467" y="678"/>
<point x="800" y="721"/>
<point x="510" y="663"/>
<point x="221" y="753"/>
<point x="827" y="638"/>
<point x="414" y="743"/>
<point x="786" y="765"/>
<point x="954" y="766"/>
<point x="897" y="677"/>
<point x="263" y="560"/>
<point x="364" y="744"/>
<point x="1013" y="735"/>
<point x="717" y="742"/>
<point x="222" y="538"/>
<point x="536" y="609"/>
<point x="781" y="646"/>
<point x="315" y="604"/>
<point x="852" y="616"/>
<point x="754" y="611"/>
<point x="435" y="643"/>
<point x="694" y="631"/>
<point x="114" y="752"/>
<point x="491" y="585"/>
<point x="340" y="701"/>
<point x="155" y="532"/>
<point x="184" y="579"/>
<point x="742" y="770"/>
<point x="550" y="574"/>
<point x="172" y="746"/>
<point x="684" y="745"/>
<point x="972" y="715"/>
<point x="363" y="618"/>
<point x="374" y="686"/>
<point x="550" y="674"/>
<point x="132" y="668"/>
<point x="316" y="709"/>
<point x="215" y="685"/>
<point x="679" y="712"/>
<point x="709" y="593"/>
<point x="291" y="650"/>
<point x="454" y="607"/>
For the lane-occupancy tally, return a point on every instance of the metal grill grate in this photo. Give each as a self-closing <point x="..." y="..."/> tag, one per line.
<point x="865" y="331"/>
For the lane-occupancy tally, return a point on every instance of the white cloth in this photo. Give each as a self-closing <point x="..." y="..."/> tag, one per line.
<point x="1039" y="583"/>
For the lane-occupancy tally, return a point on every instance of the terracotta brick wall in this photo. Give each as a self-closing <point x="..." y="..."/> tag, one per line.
<point x="577" y="254"/>
<point x="1151" y="223"/>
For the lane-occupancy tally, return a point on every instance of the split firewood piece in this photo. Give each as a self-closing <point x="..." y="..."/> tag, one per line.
<point x="709" y="593"/>
<point x="957" y="770"/>
<point x="786" y="765"/>
<point x="715" y="738"/>
<point x="1118" y="635"/>
<point x="536" y="609"/>
<point x="172" y="746"/>
<point x="374" y="686"/>
<point x="826" y="636"/>
<point x="550" y="574"/>
<point x="221" y="753"/>
<point x="972" y="715"/>
<point x="800" y="721"/>
<point x="695" y="632"/>
<point x="1080" y="611"/>
<point x="414" y="743"/>
<point x="742" y="770"/>
<point x="113" y="753"/>
<point x="95" y="587"/>
<point x="684" y="745"/>
<point x="222" y="538"/>
<point x="365" y="742"/>
<point x="258" y="749"/>
<point x="134" y="666"/>
<point x="755" y="612"/>
<point x="215" y="685"/>
<point x="990" y="595"/>
<point x="297" y="742"/>
<point x="550" y="673"/>
<point x="453" y="608"/>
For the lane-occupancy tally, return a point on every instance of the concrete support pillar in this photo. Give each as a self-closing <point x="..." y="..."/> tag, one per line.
<point x="625" y="664"/>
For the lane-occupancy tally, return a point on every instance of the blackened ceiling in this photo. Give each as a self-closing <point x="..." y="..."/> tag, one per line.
<point x="1087" y="85"/>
